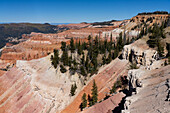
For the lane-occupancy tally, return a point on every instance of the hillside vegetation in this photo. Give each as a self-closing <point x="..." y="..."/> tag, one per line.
<point x="16" y="30"/>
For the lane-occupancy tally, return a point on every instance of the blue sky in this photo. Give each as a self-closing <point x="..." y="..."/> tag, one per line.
<point x="74" y="11"/>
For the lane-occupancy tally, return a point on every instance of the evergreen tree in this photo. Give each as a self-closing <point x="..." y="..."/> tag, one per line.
<point x="89" y="37"/>
<point x="94" y="62"/>
<point x="63" y="46"/>
<point x="82" y="71"/>
<point x="87" y="63"/>
<point x="109" y="59"/>
<point x="105" y="45"/>
<point x="116" y="85"/>
<point x="84" y="101"/>
<point x="64" y="58"/>
<point x="84" y="46"/>
<point x="116" y="51"/>
<point x="76" y="44"/>
<point x="111" y="38"/>
<point x="89" y="100"/>
<point x="146" y="30"/>
<point x="82" y="60"/>
<point x="80" y="48"/>
<point x="120" y="42"/>
<point x="160" y="49"/>
<point x="73" y="89"/>
<point x="104" y="59"/>
<point x="55" y="59"/>
<point x="52" y="57"/>
<point x="94" y="93"/>
<point x="72" y="46"/>
<point x="113" y="90"/>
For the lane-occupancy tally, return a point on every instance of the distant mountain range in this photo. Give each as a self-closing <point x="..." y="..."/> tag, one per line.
<point x="38" y="23"/>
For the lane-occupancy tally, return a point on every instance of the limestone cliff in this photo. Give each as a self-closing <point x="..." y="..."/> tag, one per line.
<point x="142" y="55"/>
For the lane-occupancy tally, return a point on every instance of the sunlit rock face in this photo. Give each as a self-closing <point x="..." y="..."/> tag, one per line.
<point x="141" y="54"/>
<point x="153" y="95"/>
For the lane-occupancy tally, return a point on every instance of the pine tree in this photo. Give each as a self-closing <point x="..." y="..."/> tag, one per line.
<point x="87" y="63"/>
<point x="94" y="62"/>
<point x="109" y="59"/>
<point x="63" y="46"/>
<point x="72" y="46"/>
<point x="84" y="101"/>
<point x="105" y="45"/>
<point x="82" y="71"/>
<point x="52" y="57"/>
<point x="113" y="90"/>
<point x="82" y="60"/>
<point x="84" y="46"/>
<point x="73" y="89"/>
<point x="120" y="42"/>
<point x="104" y="59"/>
<point x="94" y="93"/>
<point x="80" y="48"/>
<point x="160" y="49"/>
<point x="89" y="37"/>
<point x="55" y="59"/>
<point x="64" y="58"/>
<point x="116" y="51"/>
<point x="111" y="38"/>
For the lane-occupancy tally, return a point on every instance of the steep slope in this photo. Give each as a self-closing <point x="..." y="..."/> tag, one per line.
<point x="104" y="80"/>
<point x="35" y="86"/>
<point x="106" y="106"/>
<point x="151" y="97"/>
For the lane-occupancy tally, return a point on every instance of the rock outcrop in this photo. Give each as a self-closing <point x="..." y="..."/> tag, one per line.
<point x="142" y="55"/>
<point x="153" y="96"/>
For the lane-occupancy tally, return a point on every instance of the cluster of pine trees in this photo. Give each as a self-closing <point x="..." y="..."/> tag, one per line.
<point x="88" y="63"/>
<point x="157" y="34"/>
<point x="122" y="82"/>
<point x="91" y="100"/>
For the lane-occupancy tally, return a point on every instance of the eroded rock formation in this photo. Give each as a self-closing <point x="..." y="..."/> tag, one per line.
<point x="141" y="54"/>
<point x="150" y="98"/>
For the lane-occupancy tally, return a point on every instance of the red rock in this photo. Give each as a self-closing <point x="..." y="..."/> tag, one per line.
<point x="105" y="106"/>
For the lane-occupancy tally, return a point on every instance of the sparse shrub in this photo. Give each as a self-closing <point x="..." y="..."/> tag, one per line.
<point x="133" y="66"/>
<point x="63" y="69"/>
<point x="116" y="85"/>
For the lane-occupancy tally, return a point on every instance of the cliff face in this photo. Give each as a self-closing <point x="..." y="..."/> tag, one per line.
<point x="149" y="84"/>
<point x="152" y="97"/>
<point x="156" y="18"/>
<point x="142" y="55"/>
